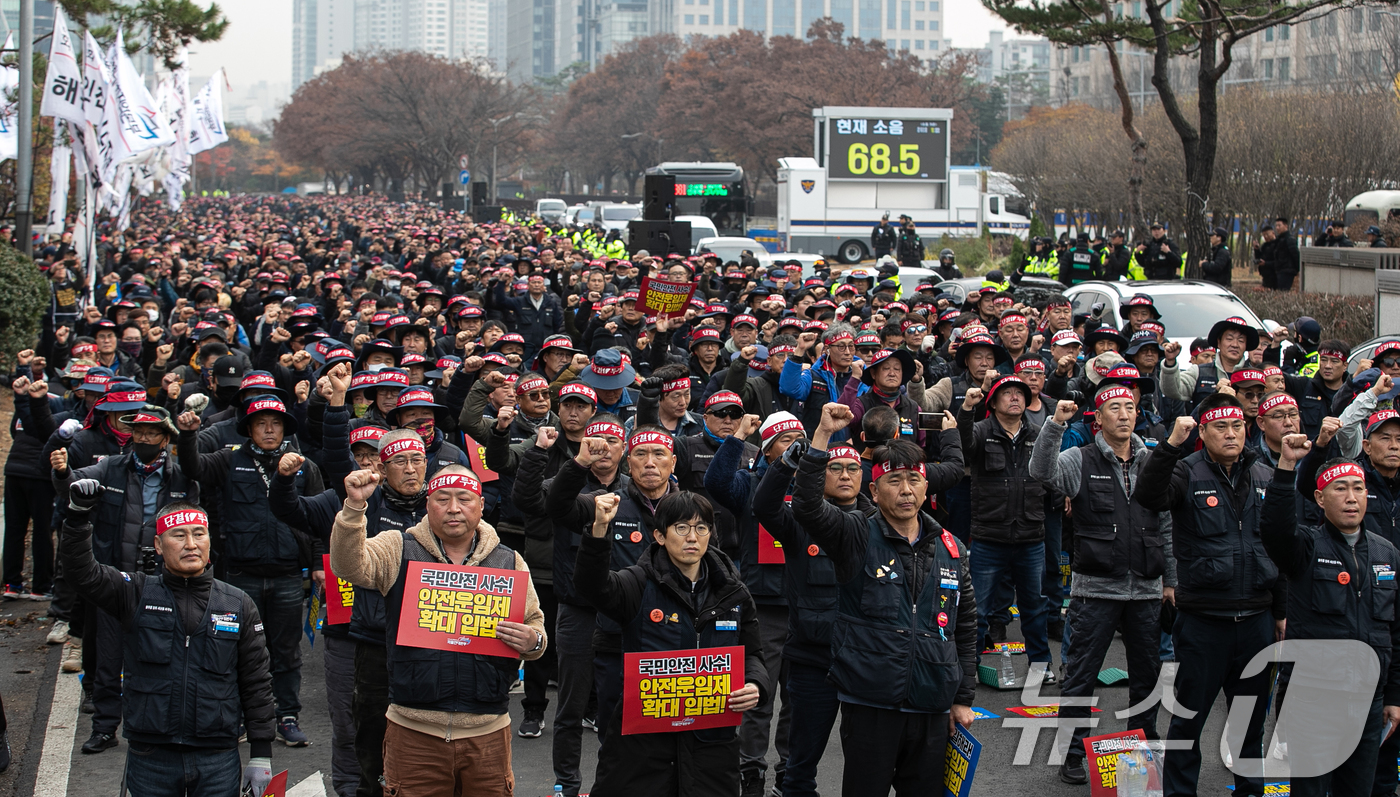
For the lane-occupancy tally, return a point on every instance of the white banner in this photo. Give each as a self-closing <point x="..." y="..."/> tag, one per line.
<point x="59" y="169"/>
<point x="132" y="114"/>
<point x="63" y="84"/>
<point x="207" y="116"/>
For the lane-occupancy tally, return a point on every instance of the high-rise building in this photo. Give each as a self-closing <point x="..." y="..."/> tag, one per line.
<point x="325" y="30"/>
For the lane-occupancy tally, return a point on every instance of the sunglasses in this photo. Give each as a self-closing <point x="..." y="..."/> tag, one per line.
<point x="537" y="395"/>
<point x="729" y="412"/>
<point x="1388" y="362"/>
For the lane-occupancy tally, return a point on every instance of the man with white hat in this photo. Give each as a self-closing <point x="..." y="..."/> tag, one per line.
<point x="732" y="483"/>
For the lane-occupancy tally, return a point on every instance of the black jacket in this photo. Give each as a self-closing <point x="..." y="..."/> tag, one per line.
<point x="1326" y="604"/>
<point x="119" y="594"/>
<point x="1011" y="504"/>
<point x="1218" y="267"/>
<point x="845" y="536"/>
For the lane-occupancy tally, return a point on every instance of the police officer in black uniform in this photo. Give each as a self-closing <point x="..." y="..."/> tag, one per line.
<point x="883" y="237"/>
<point x="1352" y="595"/>
<point x="195" y="660"/>
<point x="905" y="582"/>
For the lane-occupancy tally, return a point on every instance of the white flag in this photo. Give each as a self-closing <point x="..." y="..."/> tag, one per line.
<point x="97" y="82"/>
<point x="59" y="169"/>
<point x="9" y="111"/>
<point x="131" y="111"/>
<point x="207" y="116"/>
<point x="63" y="84"/>
<point x="178" y="115"/>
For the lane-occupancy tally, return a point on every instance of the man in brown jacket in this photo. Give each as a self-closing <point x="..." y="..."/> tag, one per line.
<point x="449" y="727"/>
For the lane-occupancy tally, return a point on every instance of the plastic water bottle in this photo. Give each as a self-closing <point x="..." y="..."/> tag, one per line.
<point x="1006" y="673"/>
<point x="558" y="790"/>
<point x="1132" y="778"/>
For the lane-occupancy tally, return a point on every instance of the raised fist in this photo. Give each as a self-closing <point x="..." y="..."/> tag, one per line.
<point x="290" y="463"/>
<point x="83" y="495"/>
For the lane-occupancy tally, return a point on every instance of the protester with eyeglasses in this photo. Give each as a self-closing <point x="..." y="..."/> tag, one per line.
<point x="827" y="375"/>
<point x="677" y="575"/>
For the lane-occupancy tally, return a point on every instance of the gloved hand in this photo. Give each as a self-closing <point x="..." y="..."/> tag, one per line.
<point x="651" y="387"/>
<point x="196" y="404"/>
<point x="68" y="428"/>
<point x="794" y="452"/>
<point x="82" y="495"/>
<point x="256" y="776"/>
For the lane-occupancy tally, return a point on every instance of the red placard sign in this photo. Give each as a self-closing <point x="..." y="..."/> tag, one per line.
<point x="456" y="608"/>
<point x="476" y="452"/>
<point x="1102" y="760"/>
<point x="664" y="298"/>
<point x="770" y="551"/>
<point x="340" y="595"/>
<point x="680" y="690"/>
<point x="277" y="787"/>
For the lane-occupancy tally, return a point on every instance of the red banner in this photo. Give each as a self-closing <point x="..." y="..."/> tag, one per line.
<point x="477" y="454"/>
<point x="680" y="690"/>
<point x="277" y="787"/>
<point x="456" y="608"/>
<point x="1102" y="760"/>
<point x="664" y="298"/>
<point x="770" y="551"/>
<point x="340" y="595"/>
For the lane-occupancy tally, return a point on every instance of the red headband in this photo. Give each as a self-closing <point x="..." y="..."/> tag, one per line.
<point x="783" y="349"/>
<point x="121" y="398"/>
<point x="1274" y="401"/>
<point x="146" y="417"/>
<point x="781" y="427"/>
<point x="533" y="382"/>
<point x="1030" y="365"/>
<point x="1222" y="414"/>
<point x="454" y="481"/>
<point x="257" y="380"/>
<point x="609" y="370"/>
<point x="651" y="438"/>
<point x="1333" y="353"/>
<point x="842" y="452"/>
<point x="367" y="434"/>
<point x="1014" y="318"/>
<point x="1338" y="471"/>
<point x="401" y="446"/>
<point x="415" y="395"/>
<point x="881" y="468"/>
<point x="604" y="428"/>
<point x="184" y="517"/>
<point x="677" y="384"/>
<point x="1115" y="392"/>
<point x="578" y="389"/>
<point x="839" y="337"/>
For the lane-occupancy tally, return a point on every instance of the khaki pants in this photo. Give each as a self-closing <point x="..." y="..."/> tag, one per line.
<point x="416" y="764"/>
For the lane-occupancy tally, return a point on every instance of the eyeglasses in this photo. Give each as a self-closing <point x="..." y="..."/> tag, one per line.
<point x="841" y="346"/>
<point x="404" y="462"/>
<point x="537" y="395"/>
<point x="1283" y="416"/>
<point x="1253" y="394"/>
<point x="684" y="529"/>
<point x="850" y="470"/>
<point x="730" y="414"/>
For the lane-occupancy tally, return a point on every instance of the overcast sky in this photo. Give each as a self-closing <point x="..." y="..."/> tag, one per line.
<point x="258" y="43"/>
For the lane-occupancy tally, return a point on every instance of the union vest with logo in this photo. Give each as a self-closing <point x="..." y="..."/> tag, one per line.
<point x="181" y="684"/>
<point x="1219" y="554"/>
<point x="252" y="536"/>
<point x="444" y="680"/>
<point x="888" y="649"/>
<point x="1113" y="534"/>
<point x="631" y="536"/>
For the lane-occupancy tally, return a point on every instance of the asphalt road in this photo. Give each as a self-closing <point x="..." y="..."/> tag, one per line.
<point x="45" y="731"/>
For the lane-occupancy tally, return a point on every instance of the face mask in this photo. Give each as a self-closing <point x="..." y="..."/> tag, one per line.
<point x="147" y="452"/>
<point x="392" y="285"/>
<point x="426" y="430"/>
<point x="360" y="409"/>
<point x="154" y="315"/>
<point x="131" y="348"/>
<point x="227" y="394"/>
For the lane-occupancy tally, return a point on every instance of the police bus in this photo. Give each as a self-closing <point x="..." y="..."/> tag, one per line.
<point x="716" y="191"/>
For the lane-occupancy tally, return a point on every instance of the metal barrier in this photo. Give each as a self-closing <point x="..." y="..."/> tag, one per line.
<point x="1348" y="272"/>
